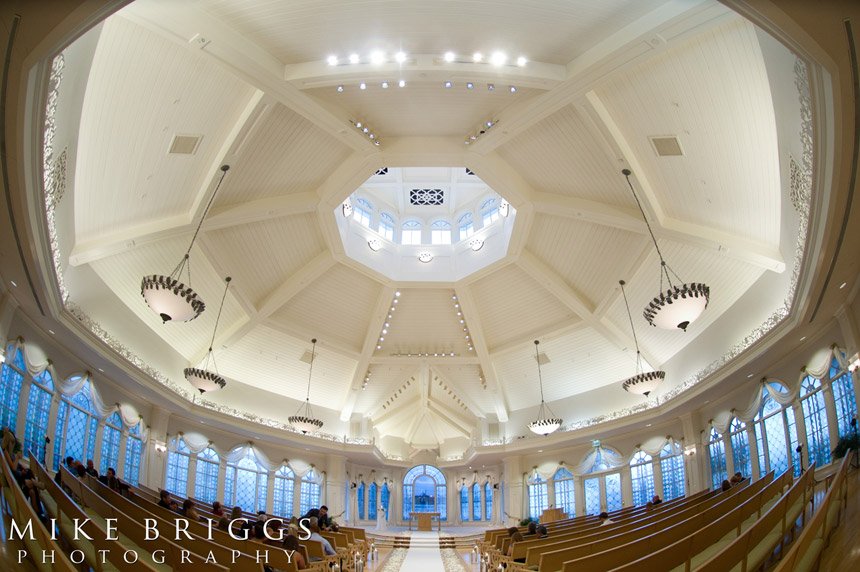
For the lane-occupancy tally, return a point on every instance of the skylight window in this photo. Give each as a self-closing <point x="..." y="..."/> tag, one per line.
<point x="489" y="212"/>
<point x="386" y="226"/>
<point x="466" y="226"/>
<point x="440" y="232"/>
<point x="411" y="233"/>
<point x="361" y="212"/>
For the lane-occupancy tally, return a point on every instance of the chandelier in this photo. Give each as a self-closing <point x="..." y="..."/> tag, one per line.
<point x="642" y="383"/>
<point x="304" y="419"/>
<point x="167" y="295"/>
<point x="546" y="421"/>
<point x="202" y="378"/>
<point x="681" y="303"/>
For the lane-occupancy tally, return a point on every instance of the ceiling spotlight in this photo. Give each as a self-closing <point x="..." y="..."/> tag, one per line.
<point x="397" y="294"/>
<point x="513" y="89"/>
<point x="450" y="56"/>
<point x="376" y="142"/>
<point x="375" y="244"/>
<point x="489" y="124"/>
<point x="467" y="142"/>
<point x="470" y="85"/>
<point x="354" y="59"/>
<point x="477" y="57"/>
<point x="449" y="85"/>
<point x="385" y="85"/>
<point x="498" y="59"/>
<point x="372" y="136"/>
<point x="365" y="129"/>
<point x="521" y="61"/>
<point x="358" y="124"/>
<point x="362" y="85"/>
<point x="401" y="83"/>
<point x="425" y="257"/>
<point x="377" y="58"/>
<point x="340" y="89"/>
<point x="491" y="87"/>
<point x="400" y="57"/>
<point x="332" y="60"/>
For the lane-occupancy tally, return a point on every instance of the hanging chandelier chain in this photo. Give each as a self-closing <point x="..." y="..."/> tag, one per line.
<point x="663" y="265"/>
<point x="224" y="169"/>
<point x="220" y="309"/>
<point x="632" y="328"/>
<point x="540" y="379"/>
<point x="311" y="372"/>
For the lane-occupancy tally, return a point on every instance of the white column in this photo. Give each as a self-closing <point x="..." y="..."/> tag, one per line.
<point x="192" y="476"/>
<point x="514" y="491"/>
<point x="222" y="479"/>
<point x="120" y="459"/>
<point x="52" y="425"/>
<point x="8" y="306"/>
<point x="270" y="493"/>
<point x="579" y="495"/>
<point x="800" y="427"/>
<point x="335" y="483"/>
<point x="23" y="406"/>
<point x="657" y="471"/>
<point x="97" y="453"/>
<point x="830" y="410"/>
<point x="756" y="473"/>
<point x="154" y="469"/>
<point x="626" y="485"/>
<point x="692" y="467"/>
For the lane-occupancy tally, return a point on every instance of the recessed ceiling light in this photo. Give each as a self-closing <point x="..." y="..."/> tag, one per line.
<point x="401" y="83"/>
<point x="362" y="85"/>
<point x="843" y="285"/>
<point x="521" y="61"/>
<point x="491" y="87"/>
<point x="13" y="283"/>
<point x="448" y="85"/>
<point x="513" y="89"/>
<point x="377" y="58"/>
<point x="101" y="370"/>
<point x="540" y="450"/>
<point x="648" y="425"/>
<point x="379" y="347"/>
<point x="498" y="59"/>
<point x="51" y="332"/>
<point x="450" y="56"/>
<point x="385" y="85"/>
<point x="354" y="59"/>
<point x="400" y="57"/>
<point x="397" y="293"/>
<point x="750" y="375"/>
<point x="332" y="60"/>
<point x="340" y="89"/>
<point x="803" y="338"/>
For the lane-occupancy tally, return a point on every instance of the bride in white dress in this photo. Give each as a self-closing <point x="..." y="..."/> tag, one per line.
<point x="381" y="520"/>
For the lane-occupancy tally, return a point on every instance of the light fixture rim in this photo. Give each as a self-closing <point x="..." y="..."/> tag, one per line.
<point x="190" y="372"/>
<point x="676" y="292"/>
<point x="631" y="382"/>
<point x="156" y="282"/>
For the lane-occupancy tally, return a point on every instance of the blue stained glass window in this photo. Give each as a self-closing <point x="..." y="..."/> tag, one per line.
<point x="76" y="435"/>
<point x="843" y="394"/>
<point x="206" y="475"/>
<point x="110" y="443"/>
<point x="488" y="501"/>
<point x="11" y="381"/>
<point x="740" y="447"/>
<point x="592" y="495"/>
<point x="672" y="471"/>
<point x="309" y="494"/>
<point x="424" y="490"/>
<point x="613" y="492"/>
<point x="75" y="431"/>
<point x="133" y="452"/>
<point x="565" y="496"/>
<point x="38" y="409"/>
<point x="815" y="418"/>
<point x="176" y="480"/>
<point x="464" y="503"/>
<point x="360" y="494"/>
<point x="285" y="482"/>
<point x="371" y="501"/>
<point x="385" y="497"/>
<point x="538" y="496"/>
<point x="248" y="483"/>
<point x="642" y="476"/>
<point x="717" y="455"/>
<point x="476" y="501"/>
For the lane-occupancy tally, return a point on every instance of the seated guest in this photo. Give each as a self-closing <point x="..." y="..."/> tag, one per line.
<point x="649" y="505"/>
<point x="31" y="486"/>
<point x="190" y="511"/>
<point x="80" y="469"/>
<point x="315" y="535"/>
<point x="512" y="530"/>
<point x="166" y="502"/>
<point x="236" y="513"/>
<point x="656" y="500"/>
<point x="532" y="529"/>
<point x="217" y="509"/>
<point x="541" y="531"/>
<point x="111" y="480"/>
<point x="91" y="469"/>
<point x="515" y="537"/>
<point x="604" y="519"/>
<point x="291" y="545"/>
<point x="726" y="485"/>
<point x="736" y="478"/>
<point x="224" y="523"/>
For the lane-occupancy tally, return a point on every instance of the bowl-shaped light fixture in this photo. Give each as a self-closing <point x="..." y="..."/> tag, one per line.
<point x="546" y="421"/>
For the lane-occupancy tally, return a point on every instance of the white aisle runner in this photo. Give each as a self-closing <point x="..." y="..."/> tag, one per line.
<point x="423" y="555"/>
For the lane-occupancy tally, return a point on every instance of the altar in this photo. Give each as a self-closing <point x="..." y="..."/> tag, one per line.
<point x="424" y="520"/>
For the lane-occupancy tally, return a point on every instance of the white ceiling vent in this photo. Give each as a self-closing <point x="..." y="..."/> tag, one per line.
<point x="667" y="146"/>
<point x="306" y="357"/>
<point x="542" y="358"/>
<point x="184" y="144"/>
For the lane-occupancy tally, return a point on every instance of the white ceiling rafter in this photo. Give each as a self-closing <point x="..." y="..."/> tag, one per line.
<point x="380" y="313"/>
<point x="470" y="313"/>
<point x="762" y="255"/>
<point x="558" y="287"/>
<point x="565" y="327"/>
<point x="336" y="345"/>
<point x="194" y="28"/>
<point x="457" y="390"/>
<point x="407" y="383"/>
<point x="169" y="227"/>
<point x="261" y="210"/>
<point x="433" y="360"/>
<point x="650" y="35"/>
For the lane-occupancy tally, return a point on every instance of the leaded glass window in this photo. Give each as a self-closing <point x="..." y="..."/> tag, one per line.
<point x="843" y="394"/>
<point x="309" y="494"/>
<point x="249" y="482"/>
<point x="613" y="492"/>
<point x="740" y="447"/>
<point x="440" y="232"/>
<point x="133" y="452"/>
<point x="642" y="477"/>
<point x="285" y="482"/>
<point x="424" y="490"/>
<point x="592" y="495"/>
<point x="11" y="381"/>
<point x="815" y="418"/>
<point x="177" y="469"/>
<point x="464" y="503"/>
<point x="360" y="496"/>
<point x="371" y="501"/>
<point x="362" y="211"/>
<point x="488" y="501"/>
<point x="717" y="455"/>
<point x="672" y="471"/>
<point x="489" y="211"/>
<point x="770" y="429"/>
<point x="538" y="496"/>
<point x="386" y="226"/>
<point x="466" y="226"/>
<point x="476" y="501"/>
<point x="111" y="435"/>
<point x="206" y="475"/>
<point x="410" y="233"/>
<point x="38" y="409"/>
<point x="565" y="497"/>
<point x="75" y="431"/>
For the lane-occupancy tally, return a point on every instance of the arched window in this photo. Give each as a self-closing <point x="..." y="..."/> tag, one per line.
<point x="464" y="503"/>
<point x="360" y="496"/>
<point x="424" y="490"/>
<point x="466" y="226"/>
<point x="371" y="501"/>
<point x="111" y="435"/>
<point x="386" y="226"/>
<point x="565" y="496"/>
<point x="489" y="211"/>
<point x="11" y="382"/>
<point x="285" y="482"/>
<point x="246" y="483"/>
<point x="591" y="488"/>
<point x="362" y="211"/>
<point x="38" y="409"/>
<point x="538" y="496"/>
<point x="476" y="501"/>
<point x="613" y="491"/>
<point x="133" y="452"/>
<point x="672" y="471"/>
<point x="642" y="477"/>
<point x="771" y="434"/>
<point x="717" y="454"/>
<point x="385" y="497"/>
<point x="410" y="232"/>
<point x="488" y="501"/>
<point x="77" y="423"/>
<point x="740" y="447"/>
<point x="843" y="394"/>
<point x="177" y="469"/>
<point x="440" y="232"/>
<point x="815" y="418"/>
<point x="309" y="493"/>
<point x="206" y="476"/>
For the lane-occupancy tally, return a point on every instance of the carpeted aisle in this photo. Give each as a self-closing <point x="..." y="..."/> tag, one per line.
<point x="424" y="555"/>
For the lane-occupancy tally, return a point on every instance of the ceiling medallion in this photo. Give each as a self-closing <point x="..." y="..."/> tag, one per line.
<point x="201" y="378"/>
<point x="546" y="421"/>
<point x="681" y="304"/>
<point x="642" y="383"/>
<point x="304" y="419"/>
<point x="167" y="295"/>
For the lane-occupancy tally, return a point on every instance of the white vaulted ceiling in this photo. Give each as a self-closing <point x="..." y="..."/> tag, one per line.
<point x="249" y="78"/>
